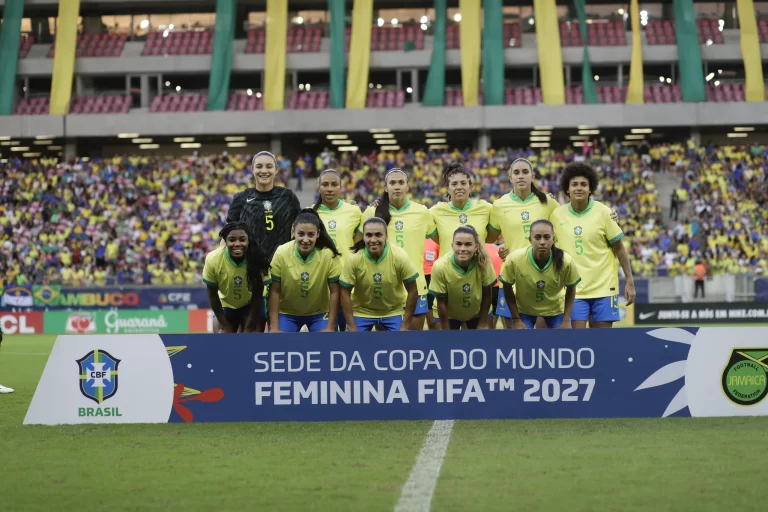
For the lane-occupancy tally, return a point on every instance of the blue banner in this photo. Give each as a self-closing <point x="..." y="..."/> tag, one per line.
<point x="149" y="297"/>
<point x="761" y="289"/>
<point x="596" y="373"/>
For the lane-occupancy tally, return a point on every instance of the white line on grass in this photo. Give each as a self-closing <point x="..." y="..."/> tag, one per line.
<point x="417" y="492"/>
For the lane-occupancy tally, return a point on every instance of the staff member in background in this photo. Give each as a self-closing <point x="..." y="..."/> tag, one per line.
<point x="431" y="253"/>
<point x="233" y="274"/>
<point x="497" y="262"/>
<point x="699" y="276"/>
<point x="3" y="389"/>
<point x="462" y="282"/>
<point x="267" y="210"/>
<point x="377" y="279"/>
<point x="304" y="279"/>
<point x="539" y="274"/>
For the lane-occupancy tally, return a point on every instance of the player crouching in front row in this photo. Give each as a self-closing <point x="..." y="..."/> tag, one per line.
<point x="462" y="282"/>
<point x="539" y="274"/>
<point x="377" y="279"/>
<point x="233" y="274"/>
<point x="304" y="287"/>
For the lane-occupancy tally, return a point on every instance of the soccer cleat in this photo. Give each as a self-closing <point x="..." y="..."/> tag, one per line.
<point x="5" y="390"/>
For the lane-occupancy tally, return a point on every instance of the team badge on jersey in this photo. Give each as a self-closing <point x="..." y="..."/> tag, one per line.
<point x="238" y="281"/>
<point x="466" y="288"/>
<point x="540" y="285"/>
<point x="463" y="218"/>
<point x="331" y="224"/>
<point x="525" y="216"/>
<point x="305" y="276"/>
<point x="377" y="277"/>
<point x="267" y="205"/>
<point x="577" y="230"/>
<point x="399" y="225"/>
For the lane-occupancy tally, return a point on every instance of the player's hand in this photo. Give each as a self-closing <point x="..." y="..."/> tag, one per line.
<point x="275" y="330"/>
<point x="404" y="327"/>
<point x="482" y="326"/>
<point x="328" y="329"/>
<point x="351" y="328"/>
<point x="503" y="253"/>
<point x="518" y="324"/>
<point x="614" y="215"/>
<point x="375" y="203"/>
<point x="564" y="325"/>
<point x="629" y="292"/>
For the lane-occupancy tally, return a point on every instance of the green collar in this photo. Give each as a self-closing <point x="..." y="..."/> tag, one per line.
<point x="461" y="270"/>
<point x="466" y="206"/>
<point x="326" y="209"/>
<point x="586" y="211"/>
<point x="381" y="258"/>
<point x="517" y="199"/>
<point x="298" y="254"/>
<point x="535" y="265"/>
<point x="405" y="206"/>
<point x="231" y="261"/>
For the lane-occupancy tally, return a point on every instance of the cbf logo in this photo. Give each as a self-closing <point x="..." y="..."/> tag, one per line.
<point x="305" y="276"/>
<point x="463" y="218"/>
<point x="268" y="205"/>
<point x="332" y="224"/>
<point x="238" y="281"/>
<point x="376" y="277"/>
<point x="98" y="375"/>
<point x="540" y="285"/>
<point x="399" y="225"/>
<point x="577" y="231"/>
<point x="525" y="216"/>
<point x="744" y="377"/>
<point x="466" y="288"/>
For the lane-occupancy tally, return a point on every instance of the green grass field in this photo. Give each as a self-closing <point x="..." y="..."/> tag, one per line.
<point x="554" y="465"/>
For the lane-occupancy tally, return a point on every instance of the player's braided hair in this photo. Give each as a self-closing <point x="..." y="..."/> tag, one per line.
<point x="542" y="197"/>
<point x="319" y="179"/>
<point x="578" y="170"/>
<point x="256" y="261"/>
<point x="481" y="256"/>
<point x="360" y="244"/>
<point x="324" y="240"/>
<point x="557" y="253"/>
<point x="382" y="209"/>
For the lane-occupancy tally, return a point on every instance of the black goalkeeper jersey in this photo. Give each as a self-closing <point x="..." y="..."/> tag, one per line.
<point x="269" y="215"/>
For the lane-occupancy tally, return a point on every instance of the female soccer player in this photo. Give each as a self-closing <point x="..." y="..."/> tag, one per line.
<point x="267" y="210"/>
<point x="539" y="274"/>
<point x="3" y="389"/>
<point x="462" y="281"/>
<point x="233" y="275"/>
<point x="304" y="281"/>
<point x="377" y="279"/>
<point x="585" y="229"/>
<point x="408" y="225"/>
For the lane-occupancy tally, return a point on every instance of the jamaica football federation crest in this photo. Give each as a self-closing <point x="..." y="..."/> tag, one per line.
<point x="98" y="375"/>
<point x="744" y="377"/>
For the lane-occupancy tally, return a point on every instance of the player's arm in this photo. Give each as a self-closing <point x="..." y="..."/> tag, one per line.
<point x="345" y="296"/>
<point x="273" y="306"/>
<point x="629" y="287"/>
<point x="410" y="304"/>
<point x="218" y="309"/>
<point x="494" y="223"/>
<point x="252" y="323"/>
<point x="333" y="307"/>
<point x="485" y="308"/>
<point x="570" y="296"/>
<point x="509" y="295"/>
<point x="442" y="312"/>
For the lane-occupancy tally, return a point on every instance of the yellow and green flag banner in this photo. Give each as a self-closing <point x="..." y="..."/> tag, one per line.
<point x="434" y="91"/>
<point x="635" y="90"/>
<point x="64" y="59"/>
<point x="274" y="54"/>
<point x="750" y="51"/>
<point x="550" y="54"/>
<point x="470" y="51"/>
<point x="587" y="78"/>
<point x="10" y="34"/>
<point x="221" y="60"/>
<point x="359" y="53"/>
<point x="493" y="53"/>
<point x="688" y="52"/>
<point x="336" y="9"/>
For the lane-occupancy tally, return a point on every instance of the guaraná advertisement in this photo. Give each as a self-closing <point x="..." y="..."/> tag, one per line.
<point x="116" y="321"/>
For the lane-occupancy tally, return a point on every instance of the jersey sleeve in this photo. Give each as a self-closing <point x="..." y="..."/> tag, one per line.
<point x="406" y="268"/>
<point x="552" y="205"/>
<point x="489" y="276"/>
<point x="437" y="286"/>
<point x="612" y="230"/>
<point x="571" y="275"/>
<point x="367" y="214"/>
<point x="235" y="207"/>
<point x="276" y="267"/>
<point x="507" y="272"/>
<point x="495" y="219"/>
<point x="348" y="277"/>
<point x="334" y="270"/>
<point x="209" y="273"/>
<point x="429" y="220"/>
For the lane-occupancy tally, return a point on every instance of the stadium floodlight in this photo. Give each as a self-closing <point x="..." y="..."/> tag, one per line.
<point x="436" y="141"/>
<point x="42" y="137"/>
<point x="634" y="137"/>
<point x="383" y="135"/>
<point x="144" y="24"/>
<point x="586" y="127"/>
<point x="237" y="138"/>
<point x="127" y="135"/>
<point x="379" y="130"/>
<point x="541" y="132"/>
<point x="348" y="148"/>
<point x="589" y="132"/>
<point x="249" y="92"/>
<point x="390" y="148"/>
<point x="52" y="148"/>
<point x="385" y="142"/>
<point x="30" y="155"/>
<point x="337" y="136"/>
<point x="642" y="130"/>
<point x="540" y="139"/>
<point x="394" y="22"/>
<point x="5" y="137"/>
<point x="10" y="143"/>
<point x="190" y="145"/>
<point x="141" y="141"/>
<point x="457" y="17"/>
<point x="439" y="146"/>
<point x="578" y="144"/>
<point x="435" y="134"/>
<point x="237" y="144"/>
<point x="380" y="22"/>
<point x="342" y="142"/>
<point x="539" y="144"/>
<point x="149" y="146"/>
<point x="578" y="137"/>
<point x="26" y="148"/>
<point x="542" y="128"/>
<point x="183" y="139"/>
<point x="730" y="135"/>
<point x="43" y="142"/>
<point x="409" y="90"/>
<point x="424" y="19"/>
<point x="710" y="76"/>
<point x="743" y="128"/>
<point x="424" y="26"/>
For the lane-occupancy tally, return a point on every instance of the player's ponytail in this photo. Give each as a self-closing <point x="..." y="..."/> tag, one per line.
<point x="541" y="196"/>
<point x="481" y="256"/>
<point x="557" y="253"/>
<point x="360" y="244"/>
<point x="324" y="240"/>
<point x="319" y="178"/>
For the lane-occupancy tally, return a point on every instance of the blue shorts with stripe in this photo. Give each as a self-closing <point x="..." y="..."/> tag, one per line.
<point x="602" y="309"/>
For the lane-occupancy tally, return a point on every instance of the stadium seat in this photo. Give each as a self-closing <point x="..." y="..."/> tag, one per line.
<point x="256" y="41"/>
<point x="662" y="93"/>
<point x="452" y="36"/>
<point x="300" y="39"/>
<point x="106" y="104"/>
<point x="35" y="106"/>
<point x="186" y="102"/>
<point x="241" y="101"/>
<point x="512" y="37"/>
<point x="308" y="100"/>
<point x="27" y="40"/>
<point x="762" y="30"/>
<point x="599" y="33"/>
<point x="179" y="43"/>
<point x="96" y="45"/>
<point x="663" y="31"/>
<point x="709" y="31"/>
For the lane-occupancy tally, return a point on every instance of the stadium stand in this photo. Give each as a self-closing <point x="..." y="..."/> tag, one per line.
<point x="107" y="104"/>
<point x="300" y="40"/>
<point x="242" y="101"/>
<point x="186" y="102"/>
<point x="762" y="29"/>
<point x="609" y="33"/>
<point x="25" y="44"/>
<point x="663" y="31"/>
<point x="390" y="39"/>
<point x="179" y="42"/>
<point x="34" y="106"/>
<point x="96" y="45"/>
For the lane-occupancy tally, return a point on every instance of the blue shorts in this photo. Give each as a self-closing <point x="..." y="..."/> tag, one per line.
<point x="552" y="321"/>
<point x="603" y="309"/>
<point x="239" y="315"/>
<point x="294" y="323"/>
<point x="422" y="305"/>
<point x="502" y="309"/>
<point x="456" y="324"/>
<point x="389" y="323"/>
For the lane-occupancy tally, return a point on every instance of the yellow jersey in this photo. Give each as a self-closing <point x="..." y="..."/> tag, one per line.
<point x="462" y="288"/>
<point x="408" y="228"/>
<point x="229" y="277"/>
<point x="304" y="282"/>
<point x="513" y="217"/>
<point x="538" y="291"/>
<point x="377" y="285"/>
<point x="588" y="237"/>
<point x="341" y="222"/>
<point x="448" y="218"/>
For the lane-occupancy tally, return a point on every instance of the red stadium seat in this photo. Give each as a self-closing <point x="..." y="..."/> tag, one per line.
<point x="25" y="44"/>
<point x="512" y="35"/>
<point x="34" y="106"/>
<point x="96" y="45"/>
<point x="452" y="36"/>
<point x="187" y="102"/>
<point x="179" y="43"/>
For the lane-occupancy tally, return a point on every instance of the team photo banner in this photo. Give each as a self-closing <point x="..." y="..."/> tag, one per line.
<point x="602" y="373"/>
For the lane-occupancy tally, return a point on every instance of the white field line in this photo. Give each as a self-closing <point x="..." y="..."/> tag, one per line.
<point x="417" y="492"/>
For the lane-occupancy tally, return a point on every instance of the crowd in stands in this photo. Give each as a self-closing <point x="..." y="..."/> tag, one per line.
<point x="151" y="220"/>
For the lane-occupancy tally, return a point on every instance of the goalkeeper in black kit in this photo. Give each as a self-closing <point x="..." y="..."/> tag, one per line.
<point x="3" y="389"/>
<point x="267" y="210"/>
